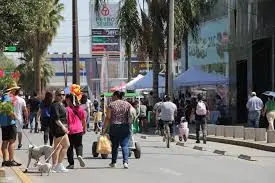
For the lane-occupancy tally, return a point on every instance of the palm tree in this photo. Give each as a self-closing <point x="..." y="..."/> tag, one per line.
<point x="46" y="20"/>
<point x="152" y="26"/>
<point x="27" y="72"/>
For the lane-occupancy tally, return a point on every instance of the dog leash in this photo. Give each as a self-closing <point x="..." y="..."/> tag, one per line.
<point x="55" y="149"/>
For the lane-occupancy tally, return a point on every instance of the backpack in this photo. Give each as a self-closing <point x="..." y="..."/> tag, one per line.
<point x="201" y="109"/>
<point x="45" y="112"/>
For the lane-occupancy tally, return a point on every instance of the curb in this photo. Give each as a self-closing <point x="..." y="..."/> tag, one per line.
<point x="238" y="142"/>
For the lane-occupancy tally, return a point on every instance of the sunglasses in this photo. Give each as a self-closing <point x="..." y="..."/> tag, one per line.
<point x="61" y="95"/>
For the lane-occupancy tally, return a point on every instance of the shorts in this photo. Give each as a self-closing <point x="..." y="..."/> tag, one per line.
<point x="19" y="126"/>
<point x="9" y="132"/>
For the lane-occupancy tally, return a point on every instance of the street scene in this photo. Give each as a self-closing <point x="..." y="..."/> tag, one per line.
<point x="140" y="91"/>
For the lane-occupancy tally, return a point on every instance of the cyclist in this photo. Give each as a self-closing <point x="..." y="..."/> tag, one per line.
<point x="168" y="111"/>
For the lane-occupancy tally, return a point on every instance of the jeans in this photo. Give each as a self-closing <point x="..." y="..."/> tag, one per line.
<point x="171" y="127"/>
<point x="88" y="121"/>
<point x="200" y="124"/>
<point x="48" y="136"/>
<point x="75" y="142"/>
<point x="120" y="135"/>
<point x="254" y="118"/>
<point x="34" y="116"/>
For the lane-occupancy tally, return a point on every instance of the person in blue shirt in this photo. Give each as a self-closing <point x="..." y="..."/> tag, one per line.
<point x="9" y="130"/>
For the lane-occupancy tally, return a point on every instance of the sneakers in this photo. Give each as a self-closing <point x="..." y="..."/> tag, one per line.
<point x="112" y="165"/>
<point x="59" y="168"/>
<point x="125" y="165"/>
<point x="10" y="163"/>
<point x="81" y="161"/>
<point x="70" y="167"/>
<point x="198" y="141"/>
<point x="19" y="146"/>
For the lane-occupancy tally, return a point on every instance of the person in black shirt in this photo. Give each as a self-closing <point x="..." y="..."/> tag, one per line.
<point x="59" y="131"/>
<point x="33" y="105"/>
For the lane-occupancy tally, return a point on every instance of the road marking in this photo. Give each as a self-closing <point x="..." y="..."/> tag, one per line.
<point x="23" y="177"/>
<point x="166" y="170"/>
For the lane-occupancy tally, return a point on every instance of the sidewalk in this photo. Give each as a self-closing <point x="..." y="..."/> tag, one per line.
<point x="228" y="140"/>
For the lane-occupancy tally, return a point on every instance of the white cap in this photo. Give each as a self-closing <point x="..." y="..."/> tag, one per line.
<point x="253" y="94"/>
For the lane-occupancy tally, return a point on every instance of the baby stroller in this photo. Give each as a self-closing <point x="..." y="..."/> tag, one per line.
<point x="183" y="129"/>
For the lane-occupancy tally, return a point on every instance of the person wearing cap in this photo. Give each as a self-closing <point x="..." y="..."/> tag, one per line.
<point x="59" y="131"/>
<point x="254" y="106"/>
<point x="9" y="131"/>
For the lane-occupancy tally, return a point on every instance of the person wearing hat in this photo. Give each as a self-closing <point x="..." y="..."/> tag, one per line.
<point x="20" y="108"/>
<point x="254" y="106"/>
<point x="58" y="127"/>
<point x="9" y="131"/>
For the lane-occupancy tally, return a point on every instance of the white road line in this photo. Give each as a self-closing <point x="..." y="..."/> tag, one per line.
<point x="169" y="171"/>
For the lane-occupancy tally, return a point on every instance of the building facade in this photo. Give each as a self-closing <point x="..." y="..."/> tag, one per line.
<point x="62" y="64"/>
<point x="251" y="53"/>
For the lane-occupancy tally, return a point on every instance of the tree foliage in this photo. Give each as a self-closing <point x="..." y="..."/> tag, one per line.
<point x="6" y="63"/>
<point x="149" y="29"/>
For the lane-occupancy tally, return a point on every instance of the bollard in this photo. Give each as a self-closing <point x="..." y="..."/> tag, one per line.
<point x="211" y="129"/>
<point x="260" y="134"/>
<point x="270" y="136"/>
<point x="220" y="130"/>
<point x="228" y="131"/>
<point x="238" y="132"/>
<point x="249" y="134"/>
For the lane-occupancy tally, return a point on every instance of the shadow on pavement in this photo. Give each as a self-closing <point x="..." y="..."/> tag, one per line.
<point x="177" y="154"/>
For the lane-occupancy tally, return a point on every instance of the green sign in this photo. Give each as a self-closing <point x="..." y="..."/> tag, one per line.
<point x="99" y="40"/>
<point x="10" y="49"/>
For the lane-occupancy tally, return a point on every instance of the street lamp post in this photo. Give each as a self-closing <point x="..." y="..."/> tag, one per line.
<point x="76" y="64"/>
<point x="171" y="47"/>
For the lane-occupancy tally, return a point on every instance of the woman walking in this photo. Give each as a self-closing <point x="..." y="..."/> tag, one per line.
<point x="45" y="117"/>
<point x="117" y="117"/>
<point x="59" y="131"/>
<point x="77" y="127"/>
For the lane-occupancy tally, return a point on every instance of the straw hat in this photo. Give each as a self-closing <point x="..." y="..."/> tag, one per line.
<point x="12" y="86"/>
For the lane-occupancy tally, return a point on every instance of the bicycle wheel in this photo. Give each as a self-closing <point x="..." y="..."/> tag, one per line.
<point x="167" y="129"/>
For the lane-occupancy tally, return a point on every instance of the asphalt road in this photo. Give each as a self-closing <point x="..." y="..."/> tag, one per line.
<point x="159" y="164"/>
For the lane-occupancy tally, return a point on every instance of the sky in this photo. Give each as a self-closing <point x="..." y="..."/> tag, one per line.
<point x="63" y="40"/>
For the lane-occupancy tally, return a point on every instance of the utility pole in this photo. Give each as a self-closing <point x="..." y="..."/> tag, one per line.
<point x="171" y="47"/>
<point x="76" y="65"/>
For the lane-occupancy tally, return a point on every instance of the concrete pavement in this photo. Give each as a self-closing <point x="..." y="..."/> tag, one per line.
<point x="159" y="164"/>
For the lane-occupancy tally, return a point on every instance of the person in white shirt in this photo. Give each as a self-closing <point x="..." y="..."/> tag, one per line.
<point x="168" y="111"/>
<point x="20" y="107"/>
<point x="254" y="107"/>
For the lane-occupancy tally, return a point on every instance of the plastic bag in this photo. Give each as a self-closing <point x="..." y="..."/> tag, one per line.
<point x="104" y="145"/>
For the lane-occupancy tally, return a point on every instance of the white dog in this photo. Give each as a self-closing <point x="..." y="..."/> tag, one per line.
<point x="35" y="152"/>
<point x="183" y="129"/>
<point x="43" y="167"/>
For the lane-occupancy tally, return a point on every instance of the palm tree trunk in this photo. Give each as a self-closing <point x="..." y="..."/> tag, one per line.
<point x="37" y="65"/>
<point x="128" y="53"/>
<point x="155" y="76"/>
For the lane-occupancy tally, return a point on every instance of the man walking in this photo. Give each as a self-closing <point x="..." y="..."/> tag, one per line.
<point x="20" y="107"/>
<point x="254" y="107"/>
<point x="34" y="104"/>
<point x="201" y="112"/>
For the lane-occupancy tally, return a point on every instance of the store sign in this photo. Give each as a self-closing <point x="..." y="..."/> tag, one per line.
<point x="105" y="40"/>
<point x="140" y="68"/>
<point x="105" y="48"/>
<point x="106" y="17"/>
<point x="105" y="32"/>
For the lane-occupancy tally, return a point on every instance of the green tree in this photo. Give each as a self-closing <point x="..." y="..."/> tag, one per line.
<point x="27" y="72"/>
<point x="6" y="63"/>
<point x="46" y="19"/>
<point x="152" y="26"/>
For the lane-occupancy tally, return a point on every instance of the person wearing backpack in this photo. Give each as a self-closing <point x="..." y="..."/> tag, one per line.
<point x="45" y="117"/>
<point x="201" y="112"/>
